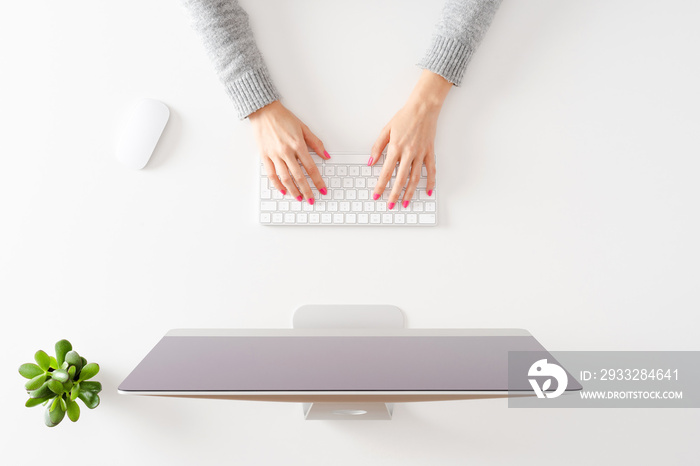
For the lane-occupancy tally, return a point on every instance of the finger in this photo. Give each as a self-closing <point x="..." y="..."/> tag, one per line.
<point x="379" y="145"/>
<point x="300" y="179"/>
<point x="399" y="182"/>
<point x="286" y="178"/>
<point x="430" y="168"/>
<point x="312" y="170"/>
<point x="412" y="182"/>
<point x="385" y="175"/>
<point x="315" y="143"/>
<point x="272" y="175"/>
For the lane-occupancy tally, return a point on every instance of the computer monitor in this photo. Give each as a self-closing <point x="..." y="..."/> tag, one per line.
<point x="338" y="370"/>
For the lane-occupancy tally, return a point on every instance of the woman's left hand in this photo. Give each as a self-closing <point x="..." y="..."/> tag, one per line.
<point x="409" y="138"/>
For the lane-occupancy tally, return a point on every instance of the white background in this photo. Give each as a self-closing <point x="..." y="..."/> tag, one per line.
<point x="567" y="176"/>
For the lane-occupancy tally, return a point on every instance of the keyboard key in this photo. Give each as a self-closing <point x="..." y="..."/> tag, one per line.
<point x="376" y="170"/>
<point x="422" y="183"/>
<point x="289" y="218"/>
<point x="363" y="194"/>
<point x="426" y="218"/>
<point x="430" y="206"/>
<point x="307" y="207"/>
<point x="400" y="218"/>
<point x="276" y="194"/>
<point x="263" y="183"/>
<point x="338" y="218"/>
<point x="363" y="218"/>
<point x="345" y="206"/>
<point x="387" y="218"/>
<point x="320" y="206"/>
<point x="314" y="218"/>
<point x="374" y="218"/>
<point x="296" y="206"/>
<point x="357" y="206"/>
<point x="350" y="218"/>
<point x="326" y="218"/>
<point x="277" y="218"/>
<point x="332" y="206"/>
<point x="341" y="171"/>
<point x="422" y="194"/>
<point x="423" y="171"/>
<point x="283" y="206"/>
<point x="366" y="171"/>
<point x="265" y="217"/>
<point x="348" y="182"/>
<point x="329" y="170"/>
<point x="302" y="218"/>
<point x="350" y="194"/>
<point x="335" y="182"/>
<point x="265" y="194"/>
<point x="418" y="207"/>
<point x="268" y="205"/>
<point x="381" y="206"/>
<point x="338" y="194"/>
<point x="411" y="218"/>
<point x="354" y="170"/>
<point x="369" y="206"/>
<point x="360" y="182"/>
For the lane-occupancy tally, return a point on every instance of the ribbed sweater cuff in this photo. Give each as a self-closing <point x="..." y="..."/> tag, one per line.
<point x="448" y="58"/>
<point x="252" y="92"/>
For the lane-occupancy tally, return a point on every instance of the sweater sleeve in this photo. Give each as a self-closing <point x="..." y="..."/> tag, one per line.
<point x="457" y="35"/>
<point x="225" y="31"/>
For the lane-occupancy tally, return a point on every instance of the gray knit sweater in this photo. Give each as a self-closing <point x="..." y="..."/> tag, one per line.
<point x="224" y="29"/>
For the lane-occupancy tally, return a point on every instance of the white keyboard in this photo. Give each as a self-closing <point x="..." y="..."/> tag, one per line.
<point x="350" y="184"/>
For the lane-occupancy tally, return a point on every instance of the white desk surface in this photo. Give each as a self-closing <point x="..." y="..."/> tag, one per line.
<point x="568" y="183"/>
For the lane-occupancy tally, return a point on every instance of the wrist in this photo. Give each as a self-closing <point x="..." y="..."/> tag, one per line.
<point x="267" y="109"/>
<point x="430" y="91"/>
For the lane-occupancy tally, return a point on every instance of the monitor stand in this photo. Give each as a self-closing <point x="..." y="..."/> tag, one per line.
<point x="350" y="316"/>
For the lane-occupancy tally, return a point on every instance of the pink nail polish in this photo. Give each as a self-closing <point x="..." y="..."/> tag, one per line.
<point x="299" y="198"/>
<point x="430" y="192"/>
<point x="375" y="196"/>
<point x="391" y="205"/>
<point x="311" y="201"/>
<point x="326" y="154"/>
<point x="404" y="204"/>
<point x="283" y="192"/>
<point x="323" y="191"/>
<point x="371" y="159"/>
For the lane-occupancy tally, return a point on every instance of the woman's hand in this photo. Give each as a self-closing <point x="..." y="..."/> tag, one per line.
<point x="283" y="139"/>
<point x="410" y="137"/>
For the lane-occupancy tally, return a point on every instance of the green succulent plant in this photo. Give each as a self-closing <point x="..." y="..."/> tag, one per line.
<point x="58" y="382"/>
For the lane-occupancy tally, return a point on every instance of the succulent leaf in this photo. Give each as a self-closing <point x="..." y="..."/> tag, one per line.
<point x="91" y="400"/>
<point x="55" y="386"/>
<point x="75" y="392"/>
<point x="60" y="375"/>
<point x="30" y="370"/>
<point x="74" y="359"/>
<point x="53" y="418"/>
<point x="42" y="392"/>
<point x="90" y="386"/>
<point x="34" y="402"/>
<point x="36" y="382"/>
<point x="89" y="371"/>
<point x="62" y="348"/>
<point x="73" y="410"/>
<point x="43" y="360"/>
<point x="53" y="364"/>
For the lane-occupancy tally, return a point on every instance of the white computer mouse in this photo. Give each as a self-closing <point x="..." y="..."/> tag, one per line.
<point x="141" y="131"/>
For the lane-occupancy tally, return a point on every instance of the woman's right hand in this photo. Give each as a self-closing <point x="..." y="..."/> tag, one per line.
<point x="283" y="140"/>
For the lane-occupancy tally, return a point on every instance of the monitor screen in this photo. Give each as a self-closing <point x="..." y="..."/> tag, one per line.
<point x="292" y="361"/>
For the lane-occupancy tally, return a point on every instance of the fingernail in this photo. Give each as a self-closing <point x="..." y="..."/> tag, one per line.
<point x="375" y="196"/>
<point x="430" y="192"/>
<point x="326" y="154"/>
<point x="311" y="201"/>
<point x="404" y="204"/>
<point x="391" y="205"/>
<point x="299" y="198"/>
<point x="371" y="159"/>
<point x="283" y="191"/>
<point x="323" y="191"/>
